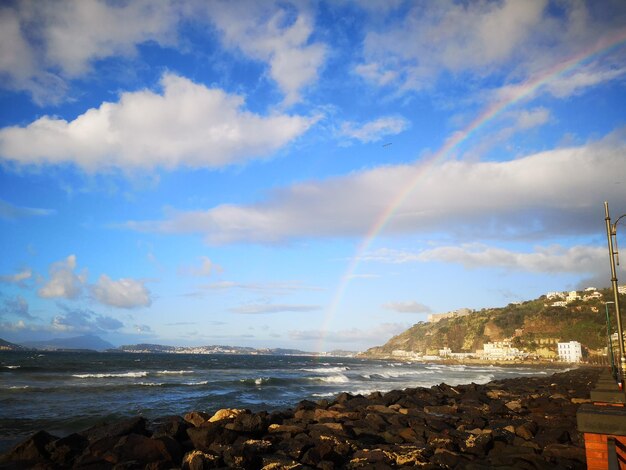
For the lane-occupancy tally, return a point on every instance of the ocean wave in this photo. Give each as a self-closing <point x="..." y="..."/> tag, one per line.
<point x="174" y="372"/>
<point x="264" y="381"/>
<point x="396" y="374"/>
<point x="12" y="367"/>
<point x="333" y="379"/>
<point x="326" y="369"/>
<point x="107" y="376"/>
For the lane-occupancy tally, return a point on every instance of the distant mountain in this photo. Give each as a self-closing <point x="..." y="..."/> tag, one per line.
<point x="6" y="346"/>
<point x="92" y="342"/>
<point x="213" y="349"/>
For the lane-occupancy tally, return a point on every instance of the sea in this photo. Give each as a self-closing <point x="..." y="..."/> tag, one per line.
<point x="65" y="392"/>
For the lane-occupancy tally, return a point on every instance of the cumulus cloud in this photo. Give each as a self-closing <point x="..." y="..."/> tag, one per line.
<point x="17" y="278"/>
<point x="122" y="293"/>
<point x="83" y="321"/>
<point x="44" y="44"/>
<point x="276" y="33"/>
<point x="273" y="308"/>
<point x="10" y="211"/>
<point x="407" y="307"/>
<point x="18" y="307"/>
<point x="544" y="259"/>
<point x="556" y="192"/>
<point x="187" y="125"/>
<point x="63" y="281"/>
<point x="374" y="130"/>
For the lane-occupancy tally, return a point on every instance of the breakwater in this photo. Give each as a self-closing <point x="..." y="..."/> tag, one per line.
<point x="527" y="422"/>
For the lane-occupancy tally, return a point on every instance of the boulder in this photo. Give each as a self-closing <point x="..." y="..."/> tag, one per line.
<point x="30" y="452"/>
<point x="136" y="425"/>
<point x="227" y="413"/>
<point x="198" y="460"/>
<point x="196" y="418"/>
<point x="64" y="450"/>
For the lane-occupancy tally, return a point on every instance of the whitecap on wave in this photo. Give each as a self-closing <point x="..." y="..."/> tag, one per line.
<point x="106" y="376"/>
<point x="333" y="379"/>
<point x="326" y="369"/>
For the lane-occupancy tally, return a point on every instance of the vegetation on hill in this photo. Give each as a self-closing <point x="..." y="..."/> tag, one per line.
<point x="534" y="326"/>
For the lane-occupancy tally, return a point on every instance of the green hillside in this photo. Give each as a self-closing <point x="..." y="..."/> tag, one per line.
<point x="534" y="326"/>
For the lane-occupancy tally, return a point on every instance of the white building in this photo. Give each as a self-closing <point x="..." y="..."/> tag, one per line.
<point x="570" y="352"/>
<point x="555" y="295"/>
<point x="572" y="296"/>
<point x="500" y="350"/>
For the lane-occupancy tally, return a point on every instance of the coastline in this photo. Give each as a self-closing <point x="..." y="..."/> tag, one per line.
<point x="527" y="422"/>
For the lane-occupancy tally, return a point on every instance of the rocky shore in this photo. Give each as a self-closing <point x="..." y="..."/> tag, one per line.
<point x="524" y="423"/>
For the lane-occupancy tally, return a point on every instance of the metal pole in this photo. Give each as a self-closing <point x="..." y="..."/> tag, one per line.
<point x="610" y="231"/>
<point x="610" y="341"/>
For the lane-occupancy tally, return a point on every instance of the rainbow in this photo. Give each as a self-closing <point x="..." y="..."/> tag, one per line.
<point x="519" y="93"/>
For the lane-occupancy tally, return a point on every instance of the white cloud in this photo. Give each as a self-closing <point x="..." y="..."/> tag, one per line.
<point x="544" y="259"/>
<point x="205" y="269"/>
<point x="550" y="193"/>
<point x="188" y="124"/>
<point x="407" y="307"/>
<point x="529" y="118"/>
<point x="439" y="36"/>
<point x="581" y="79"/>
<point x="413" y="51"/>
<point x="18" y="277"/>
<point x="64" y="282"/>
<point x="122" y="293"/>
<point x="273" y="308"/>
<point x="42" y="44"/>
<point x="12" y="212"/>
<point x="275" y="33"/>
<point x="374" y="130"/>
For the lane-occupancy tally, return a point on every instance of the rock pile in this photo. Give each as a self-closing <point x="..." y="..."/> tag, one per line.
<point x="523" y="423"/>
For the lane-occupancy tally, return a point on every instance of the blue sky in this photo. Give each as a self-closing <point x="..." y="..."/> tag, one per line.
<point x="316" y="175"/>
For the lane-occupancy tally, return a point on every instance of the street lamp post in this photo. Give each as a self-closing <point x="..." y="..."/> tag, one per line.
<point x="611" y="233"/>
<point x="609" y="340"/>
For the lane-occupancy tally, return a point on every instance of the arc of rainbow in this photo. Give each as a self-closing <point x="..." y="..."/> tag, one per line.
<point x="523" y="91"/>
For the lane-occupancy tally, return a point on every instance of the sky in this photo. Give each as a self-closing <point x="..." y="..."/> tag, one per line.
<point x="310" y="175"/>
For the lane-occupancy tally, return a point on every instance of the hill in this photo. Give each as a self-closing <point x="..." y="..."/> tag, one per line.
<point x="6" y="346"/>
<point x="534" y="326"/>
<point x="91" y="342"/>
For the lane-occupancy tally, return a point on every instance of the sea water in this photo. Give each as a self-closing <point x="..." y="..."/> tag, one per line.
<point x="63" y="392"/>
